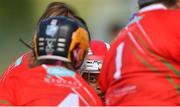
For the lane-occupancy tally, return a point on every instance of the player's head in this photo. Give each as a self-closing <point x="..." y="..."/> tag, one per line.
<point x="61" y="9"/>
<point x="168" y="3"/>
<point x="62" y="39"/>
<point x="93" y="62"/>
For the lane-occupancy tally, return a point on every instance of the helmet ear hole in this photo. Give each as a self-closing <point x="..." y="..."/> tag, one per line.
<point x="77" y="56"/>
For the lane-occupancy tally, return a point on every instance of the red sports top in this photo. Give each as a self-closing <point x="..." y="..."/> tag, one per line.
<point x="19" y="65"/>
<point x="47" y="86"/>
<point x="143" y="64"/>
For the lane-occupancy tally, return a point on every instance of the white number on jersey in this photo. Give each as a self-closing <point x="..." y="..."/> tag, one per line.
<point x="71" y="100"/>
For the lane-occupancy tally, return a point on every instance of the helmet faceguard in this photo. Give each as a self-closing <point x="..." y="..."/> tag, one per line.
<point x="90" y="71"/>
<point x="93" y="63"/>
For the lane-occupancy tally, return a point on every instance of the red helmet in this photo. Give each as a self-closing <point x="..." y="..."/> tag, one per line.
<point x="93" y="62"/>
<point x="96" y="53"/>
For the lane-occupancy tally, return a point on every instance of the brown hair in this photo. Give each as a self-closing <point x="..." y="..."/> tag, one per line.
<point x="55" y="9"/>
<point x="61" y="9"/>
<point x="169" y="3"/>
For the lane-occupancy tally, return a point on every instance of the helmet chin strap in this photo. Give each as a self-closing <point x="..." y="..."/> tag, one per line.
<point x="26" y="44"/>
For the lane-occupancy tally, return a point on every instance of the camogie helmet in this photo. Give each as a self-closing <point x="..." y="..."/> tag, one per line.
<point x="61" y="38"/>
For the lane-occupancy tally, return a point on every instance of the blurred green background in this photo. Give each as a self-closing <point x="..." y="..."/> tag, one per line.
<point x="18" y="19"/>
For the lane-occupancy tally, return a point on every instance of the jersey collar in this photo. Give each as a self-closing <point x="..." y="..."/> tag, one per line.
<point x="153" y="7"/>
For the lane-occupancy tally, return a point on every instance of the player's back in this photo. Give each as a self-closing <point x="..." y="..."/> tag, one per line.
<point x="146" y="60"/>
<point x="159" y="29"/>
<point x="48" y="86"/>
<point x="154" y="38"/>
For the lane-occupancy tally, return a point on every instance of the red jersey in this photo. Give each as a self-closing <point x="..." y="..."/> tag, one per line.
<point x="47" y="86"/>
<point x="20" y="64"/>
<point x="143" y="66"/>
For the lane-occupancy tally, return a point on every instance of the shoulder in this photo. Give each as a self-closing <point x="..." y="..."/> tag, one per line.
<point x="18" y="65"/>
<point x="122" y="35"/>
<point x="160" y="15"/>
<point x="20" y="62"/>
<point x="161" y="21"/>
<point x="27" y="72"/>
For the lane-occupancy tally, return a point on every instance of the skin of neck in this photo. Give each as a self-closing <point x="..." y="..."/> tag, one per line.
<point x="176" y="6"/>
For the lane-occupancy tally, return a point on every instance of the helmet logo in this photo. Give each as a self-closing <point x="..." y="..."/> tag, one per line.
<point x="52" y="28"/>
<point x="93" y="65"/>
<point x="50" y="46"/>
